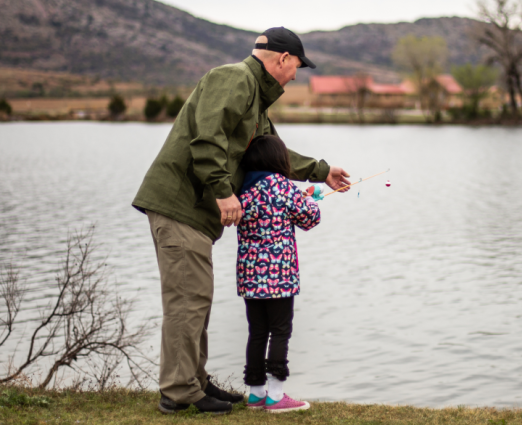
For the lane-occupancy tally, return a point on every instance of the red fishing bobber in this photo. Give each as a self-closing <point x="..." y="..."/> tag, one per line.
<point x="388" y="184"/>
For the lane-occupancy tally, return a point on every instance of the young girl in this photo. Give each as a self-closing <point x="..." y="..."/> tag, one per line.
<point x="268" y="269"/>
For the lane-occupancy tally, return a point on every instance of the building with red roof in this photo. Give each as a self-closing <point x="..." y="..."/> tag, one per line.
<point x="362" y="91"/>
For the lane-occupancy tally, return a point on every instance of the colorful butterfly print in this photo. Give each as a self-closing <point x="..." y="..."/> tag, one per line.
<point x="278" y="245"/>
<point x="286" y="292"/>
<point x="263" y="256"/>
<point x="266" y="237"/>
<point x="262" y="288"/>
<point x="273" y="270"/>
<point x="279" y="211"/>
<point x="275" y="258"/>
<point x="261" y="270"/>
<point x="264" y="222"/>
<point x="250" y="294"/>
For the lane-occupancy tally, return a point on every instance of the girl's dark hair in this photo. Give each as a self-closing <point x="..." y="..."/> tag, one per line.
<point x="267" y="153"/>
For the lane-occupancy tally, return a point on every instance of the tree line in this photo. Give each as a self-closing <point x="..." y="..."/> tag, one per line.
<point x="154" y="107"/>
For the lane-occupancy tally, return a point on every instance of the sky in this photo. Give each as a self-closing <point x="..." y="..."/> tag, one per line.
<point x="307" y="15"/>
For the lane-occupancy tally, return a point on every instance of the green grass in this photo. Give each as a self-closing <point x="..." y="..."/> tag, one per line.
<point x="120" y="406"/>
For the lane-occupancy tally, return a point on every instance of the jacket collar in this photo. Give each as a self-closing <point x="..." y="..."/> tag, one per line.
<point x="251" y="179"/>
<point x="270" y="89"/>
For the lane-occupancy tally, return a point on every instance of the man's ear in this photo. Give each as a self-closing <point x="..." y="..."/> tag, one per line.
<point x="283" y="58"/>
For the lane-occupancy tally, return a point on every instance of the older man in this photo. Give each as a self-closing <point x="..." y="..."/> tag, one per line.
<point x="189" y="195"/>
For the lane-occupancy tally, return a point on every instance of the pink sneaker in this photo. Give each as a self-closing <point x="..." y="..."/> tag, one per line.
<point x="286" y="404"/>
<point x="255" y="403"/>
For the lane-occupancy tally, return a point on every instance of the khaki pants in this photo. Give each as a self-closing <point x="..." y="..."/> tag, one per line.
<point x="187" y="286"/>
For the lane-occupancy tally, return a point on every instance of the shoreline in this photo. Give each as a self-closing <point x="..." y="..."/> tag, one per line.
<point x="118" y="405"/>
<point x="95" y="109"/>
<point x="277" y="120"/>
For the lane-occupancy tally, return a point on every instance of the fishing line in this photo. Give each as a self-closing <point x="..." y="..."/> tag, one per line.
<point x="360" y="181"/>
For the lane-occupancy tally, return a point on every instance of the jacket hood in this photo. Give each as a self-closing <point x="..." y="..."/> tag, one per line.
<point x="271" y="90"/>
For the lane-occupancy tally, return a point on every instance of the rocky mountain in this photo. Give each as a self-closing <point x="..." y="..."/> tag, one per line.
<point x="372" y="44"/>
<point x="125" y="39"/>
<point x="150" y="42"/>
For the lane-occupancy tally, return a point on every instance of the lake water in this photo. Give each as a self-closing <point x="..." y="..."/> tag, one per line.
<point x="411" y="294"/>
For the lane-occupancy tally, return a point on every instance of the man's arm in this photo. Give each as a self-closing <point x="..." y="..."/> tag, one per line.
<point x="222" y="103"/>
<point x="305" y="168"/>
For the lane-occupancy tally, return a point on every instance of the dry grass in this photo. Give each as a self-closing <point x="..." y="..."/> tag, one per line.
<point x="15" y="82"/>
<point x="120" y="406"/>
<point x="65" y="106"/>
<point x="305" y="115"/>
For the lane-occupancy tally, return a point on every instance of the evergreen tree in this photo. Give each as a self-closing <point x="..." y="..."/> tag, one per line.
<point x="117" y="105"/>
<point x="5" y="107"/>
<point x="153" y="108"/>
<point x="174" y="107"/>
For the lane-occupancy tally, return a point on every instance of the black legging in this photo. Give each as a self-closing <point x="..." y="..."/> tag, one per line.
<point x="268" y="317"/>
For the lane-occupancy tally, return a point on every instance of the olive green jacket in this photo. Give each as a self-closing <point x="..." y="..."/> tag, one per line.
<point x="199" y="161"/>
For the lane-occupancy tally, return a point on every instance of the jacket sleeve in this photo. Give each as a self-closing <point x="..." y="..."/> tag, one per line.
<point x="304" y="212"/>
<point x="303" y="167"/>
<point x="306" y="168"/>
<point x="223" y="100"/>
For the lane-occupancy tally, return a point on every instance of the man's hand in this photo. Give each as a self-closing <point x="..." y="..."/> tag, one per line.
<point x="231" y="211"/>
<point x="337" y="179"/>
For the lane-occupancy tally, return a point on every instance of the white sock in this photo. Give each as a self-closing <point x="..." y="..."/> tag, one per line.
<point x="275" y="388"/>
<point x="258" y="391"/>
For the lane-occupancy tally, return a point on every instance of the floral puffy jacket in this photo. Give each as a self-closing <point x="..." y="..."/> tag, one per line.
<point x="267" y="264"/>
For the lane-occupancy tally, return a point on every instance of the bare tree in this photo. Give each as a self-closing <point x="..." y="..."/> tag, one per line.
<point x="361" y="82"/>
<point x="85" y="321"/>
<point x="422" y="59"/>
<point x="11" y="291"/>
<point x="501" y="33"/>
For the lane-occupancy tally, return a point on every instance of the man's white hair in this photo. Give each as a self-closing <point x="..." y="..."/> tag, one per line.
<point x="265" y="55"/>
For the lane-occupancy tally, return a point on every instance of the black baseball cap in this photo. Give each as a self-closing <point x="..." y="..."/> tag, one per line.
<point x="283" y="40"/>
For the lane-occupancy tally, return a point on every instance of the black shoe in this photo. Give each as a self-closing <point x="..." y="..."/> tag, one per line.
<point x="211" y="405"/>
<point x="219" y="394"/>
<point x="167" y="406"/>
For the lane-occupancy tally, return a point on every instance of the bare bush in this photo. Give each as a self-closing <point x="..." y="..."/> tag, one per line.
<point x="388" y="115"/>
<point x="84" y="327"/>
<point x="11" y="291"/>
<point x="361" y="82"/>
